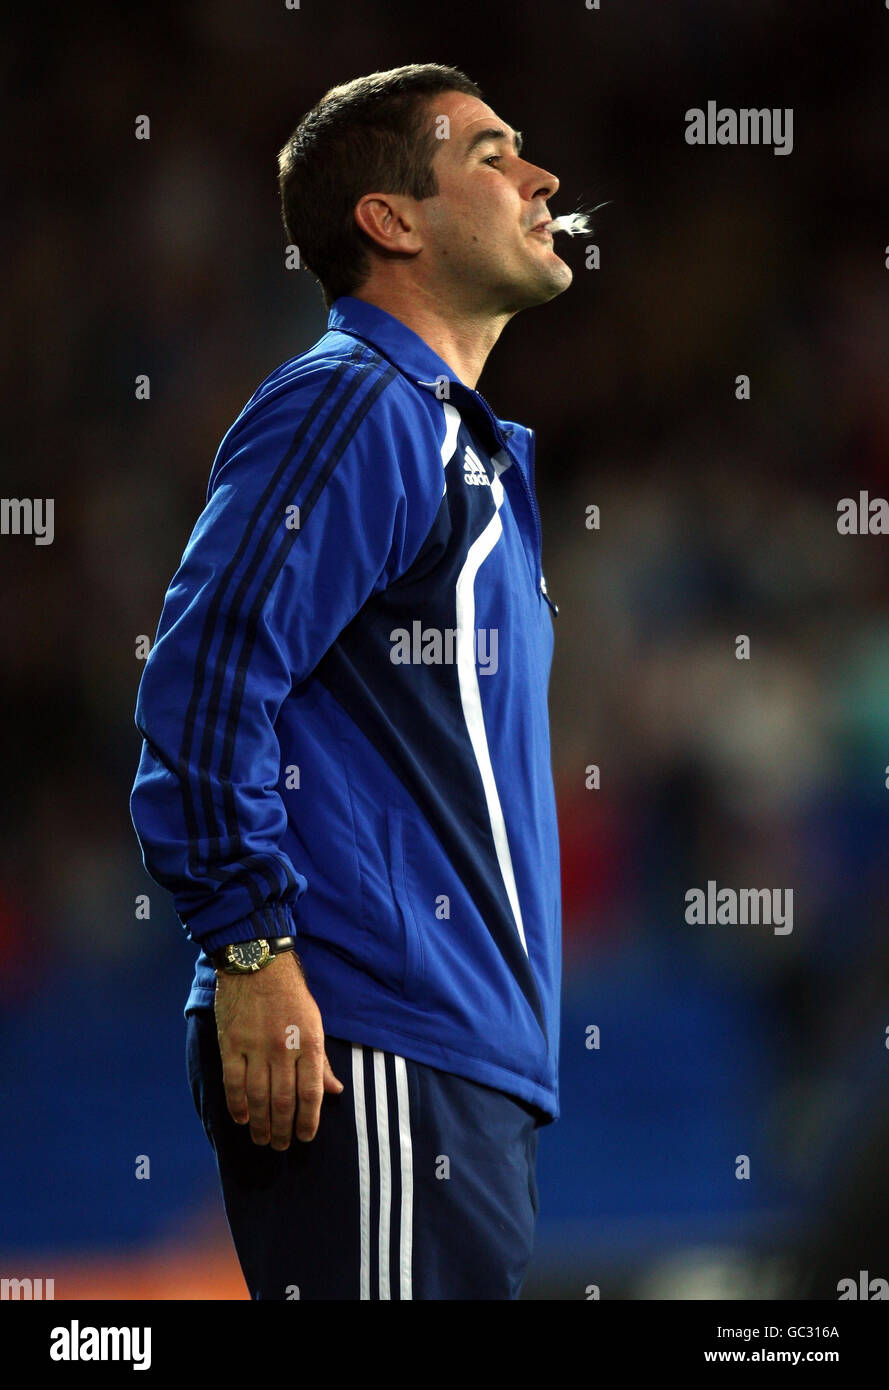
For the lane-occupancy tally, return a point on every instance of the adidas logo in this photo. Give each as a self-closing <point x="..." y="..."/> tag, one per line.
<point x="474" y="470"/>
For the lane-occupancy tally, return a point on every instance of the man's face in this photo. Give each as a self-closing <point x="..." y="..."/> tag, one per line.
<point x="480" y="244"/>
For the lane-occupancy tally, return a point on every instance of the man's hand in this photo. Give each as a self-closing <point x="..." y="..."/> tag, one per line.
<point x="271" y="1041"/>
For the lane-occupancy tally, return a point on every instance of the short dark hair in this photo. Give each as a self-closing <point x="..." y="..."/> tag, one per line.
<point x="372" y="134"/>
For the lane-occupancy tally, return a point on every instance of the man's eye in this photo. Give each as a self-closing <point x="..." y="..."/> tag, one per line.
<point x="490" y="157"/>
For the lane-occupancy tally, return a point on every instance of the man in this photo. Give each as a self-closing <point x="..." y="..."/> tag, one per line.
<point x="345" y="779"/>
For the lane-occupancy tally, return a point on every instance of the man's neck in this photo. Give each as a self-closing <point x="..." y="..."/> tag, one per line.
<point x="462" y="340"/>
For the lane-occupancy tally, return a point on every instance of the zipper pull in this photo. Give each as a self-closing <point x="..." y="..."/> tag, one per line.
<point x="553" y="606"/>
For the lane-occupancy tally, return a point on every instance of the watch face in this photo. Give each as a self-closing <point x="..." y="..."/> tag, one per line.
<point x="248" y="955"/>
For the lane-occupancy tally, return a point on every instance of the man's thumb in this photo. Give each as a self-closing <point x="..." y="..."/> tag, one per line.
<point x="331" y="1082"/>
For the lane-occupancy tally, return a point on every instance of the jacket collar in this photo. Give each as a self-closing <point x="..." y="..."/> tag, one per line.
<point x="405" y="349"/>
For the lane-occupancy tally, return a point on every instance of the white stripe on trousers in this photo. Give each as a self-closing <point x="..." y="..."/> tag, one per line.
<point x="405" y="1159"/>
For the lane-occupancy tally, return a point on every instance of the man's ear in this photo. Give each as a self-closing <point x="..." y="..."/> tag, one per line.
<point x="387" y="219"/>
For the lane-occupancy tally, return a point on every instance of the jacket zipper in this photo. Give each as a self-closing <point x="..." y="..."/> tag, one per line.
<point x="541" y="582"/>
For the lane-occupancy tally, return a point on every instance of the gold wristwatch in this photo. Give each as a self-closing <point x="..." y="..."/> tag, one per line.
<point x="246" y="957"/>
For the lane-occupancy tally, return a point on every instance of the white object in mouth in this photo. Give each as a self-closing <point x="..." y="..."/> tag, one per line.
<point x="575" y="223"/>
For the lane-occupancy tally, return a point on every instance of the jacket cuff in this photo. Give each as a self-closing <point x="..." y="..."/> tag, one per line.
<point x="276" y="919"/>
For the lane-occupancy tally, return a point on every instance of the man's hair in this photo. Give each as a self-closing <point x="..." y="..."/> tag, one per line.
<point x="374" y="134"/>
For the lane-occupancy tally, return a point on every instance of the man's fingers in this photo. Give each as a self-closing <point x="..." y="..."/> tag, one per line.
<point x="283" y="1102"/>
<point x="310" y="1085"/>
<point x="258" y="1091"/>
<point x="290" y="1100"/>
<point x="234" y="1075"/>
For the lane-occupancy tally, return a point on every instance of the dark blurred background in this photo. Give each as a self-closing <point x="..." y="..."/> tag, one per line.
<point x="718" y="518"/>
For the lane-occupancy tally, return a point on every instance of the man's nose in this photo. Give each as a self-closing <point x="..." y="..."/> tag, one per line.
<point x="544" y="184"/>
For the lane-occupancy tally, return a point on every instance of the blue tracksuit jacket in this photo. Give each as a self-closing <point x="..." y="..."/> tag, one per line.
<point x="344" y="712"/>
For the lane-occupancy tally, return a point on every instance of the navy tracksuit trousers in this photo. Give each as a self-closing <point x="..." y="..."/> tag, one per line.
<point x="418" y="1183"/>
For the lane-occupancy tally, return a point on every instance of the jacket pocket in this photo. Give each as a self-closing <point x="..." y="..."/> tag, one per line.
<point x="401" y="891"/>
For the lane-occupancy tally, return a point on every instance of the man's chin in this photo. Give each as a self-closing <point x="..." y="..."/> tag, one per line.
<point x="561" y="278"/>
<point x="548" y="282"/>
